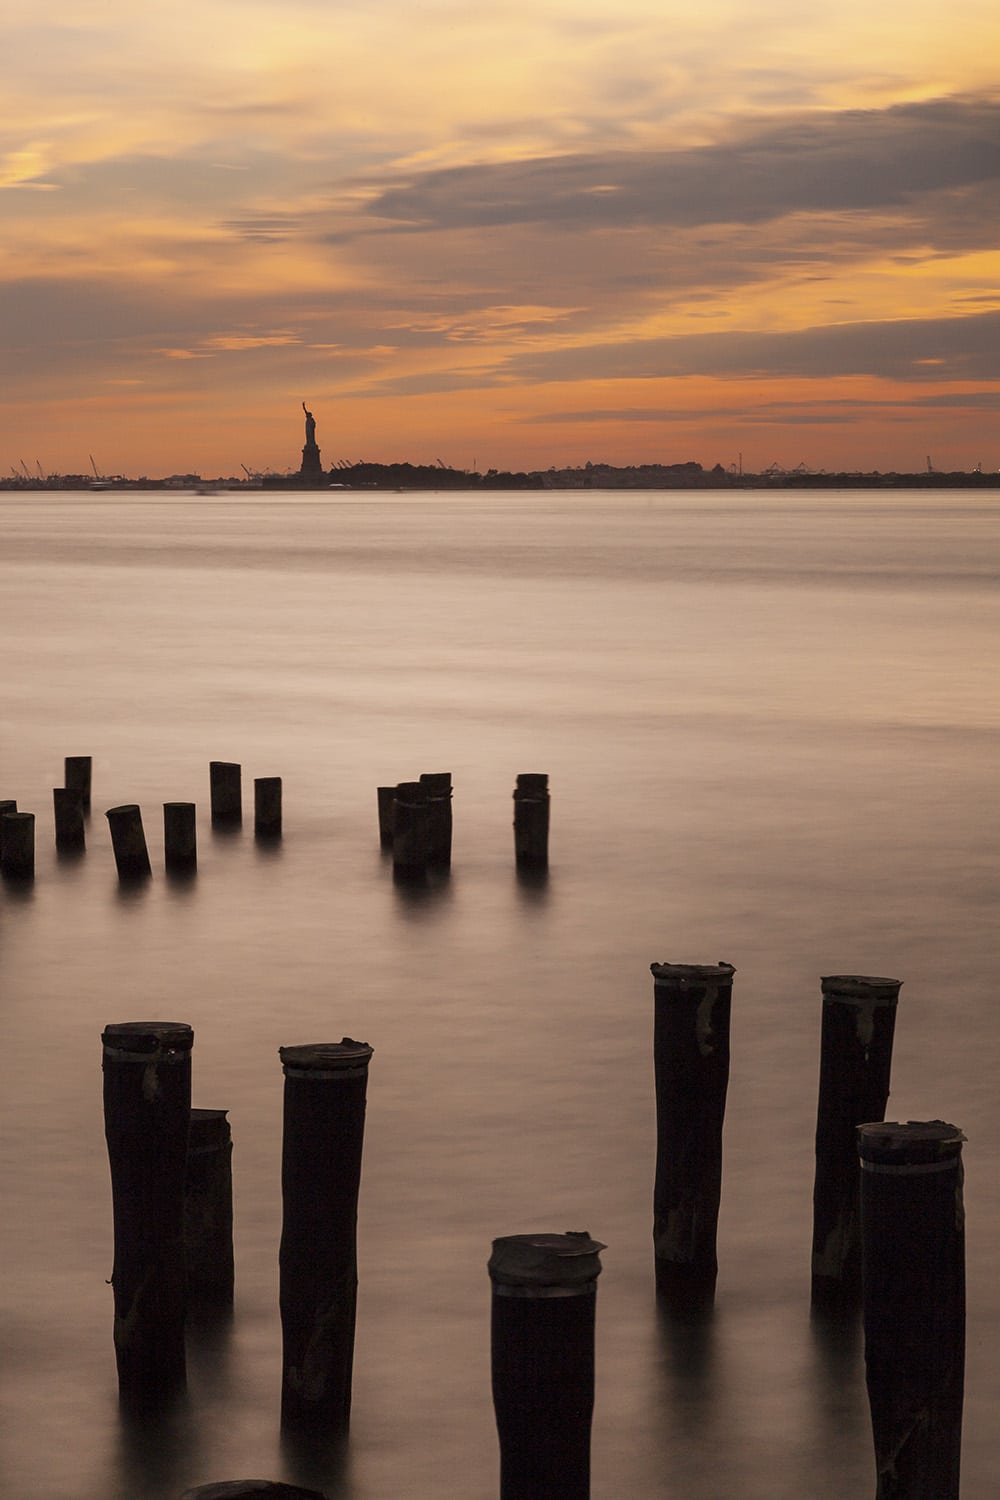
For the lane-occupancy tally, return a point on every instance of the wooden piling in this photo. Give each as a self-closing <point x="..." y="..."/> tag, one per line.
<point x="409" y="840"/>
<point x="267" y="807"/>
<point x="859" y="1019"/>
<point x="17" y="846"/>
<point x="531" y="820"/>
<point x="544" y="1296"/>
<point x="913" y="1267"/>
<point x="386" y="815"/>
<point x="180" y="837"/>
<point x="691" y="1063"/>
<point x="129" y="841"/>
<point x="324" y="1117"/>
<point x="67" y="807"/>
<point x="226" y="788"/>
<point x="437" y="785"/>
<point x="147" y="1105"/>
<point x="77" y="772"/>
<point x="208" y="1207"/>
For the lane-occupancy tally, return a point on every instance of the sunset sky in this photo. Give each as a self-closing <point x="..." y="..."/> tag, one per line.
<point x="535" y="234"/>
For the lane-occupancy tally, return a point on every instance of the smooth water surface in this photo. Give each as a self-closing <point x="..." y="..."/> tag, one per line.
<point x="770" y="723"/>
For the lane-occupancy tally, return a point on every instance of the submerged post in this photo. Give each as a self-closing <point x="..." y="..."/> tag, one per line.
<point x="324" y="1121"/>
<point x="913" y="1250"/>
<point x="267" y="807"/>
<point x="437" y="785"/>
<point x="226" y="789"/>
<point x="542" y="1338"/>
<point x="531" y="820"/>
<point x="859" y="1020"/>
<point x="208" y="1206"/>
<point x="17" y="845"/>
<point x="691" y="1062"/>
<point x="77" y="771"/>
<point x="386" y="814"/>
<point x="129" y="842"/>
<point x="180" y="837"/>
<point x="409" y="839"/>
<point x="147" y="1105"/>
<point x="67" y="807"/>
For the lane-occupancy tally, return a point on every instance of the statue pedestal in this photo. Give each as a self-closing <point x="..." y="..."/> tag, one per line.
<point x="312" y="469"/>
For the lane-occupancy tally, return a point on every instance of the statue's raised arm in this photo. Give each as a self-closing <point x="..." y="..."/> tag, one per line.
<point x="310" y="425"/>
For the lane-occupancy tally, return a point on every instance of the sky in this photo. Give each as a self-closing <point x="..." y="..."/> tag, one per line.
<point x="529" y="234"/>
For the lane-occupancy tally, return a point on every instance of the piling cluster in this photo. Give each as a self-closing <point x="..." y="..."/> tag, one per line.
<point x="415" y="823"/>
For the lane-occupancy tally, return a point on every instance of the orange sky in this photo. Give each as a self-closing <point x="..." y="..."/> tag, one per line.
<point x="543" y="234"/>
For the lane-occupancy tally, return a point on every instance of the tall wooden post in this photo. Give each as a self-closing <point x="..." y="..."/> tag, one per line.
<point x="531" y="820"/>
<point x="180" y="837"/>
<point x="859" y="1019"/>
<point x="409" y="839"/>
<point x="77" y="771"/>
<point x="691" y="1062"/>
<point x="147" y="1105"/>
<point x="17" y="845"/>
<point x="129" y="841"/>
<point x="913" y="1258"/>
<point x="437" y="785"/>
<point x="67" y="808"/>
<point x="226" y="791"/>
<point x="543" y="1307"/>
<point x="208" y="1207"/>
<point x="267" y="807"/>
<point x="324" y="1119"/>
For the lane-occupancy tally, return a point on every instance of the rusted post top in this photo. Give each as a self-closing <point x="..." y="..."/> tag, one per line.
<point x="861" y="987"/>
<point x="681" y="976"/>
<point x="323" y="1059"/>
<point x="148" y="1039"/>
<point x="539" y="1260"/>
<point x="918" y="1143"/>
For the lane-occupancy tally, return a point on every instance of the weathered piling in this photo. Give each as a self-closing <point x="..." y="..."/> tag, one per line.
<point x="67" y="806"/>
<point x="251" y="1489"/>
<point x="913" y="1266"/>
<point x="691" y="1063"/>
<point x="147" y="1106"/>
<point x="226" y="788"/>
<point x="386" y="815"/>
<point x="208" y="1207"/>
<point x="437" y="785"/>
<point x="409" y="839"/>
<point x="17" y="845"/>
<point x="531" y="820"/>
<point x="324" y="1119"/>
<point x="859" y="1019"/>
<point x="129" y="841"/>
<point x="77" y="772"/>
<point x="543" y="1306"/>
<point x="180" y="837"/>
<point x="267" y="807"/>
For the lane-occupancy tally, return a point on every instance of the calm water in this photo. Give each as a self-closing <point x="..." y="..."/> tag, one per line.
<point x="770" y="725"/>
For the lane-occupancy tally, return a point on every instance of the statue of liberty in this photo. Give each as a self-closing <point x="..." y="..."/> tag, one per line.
<point x="311" y="471"/>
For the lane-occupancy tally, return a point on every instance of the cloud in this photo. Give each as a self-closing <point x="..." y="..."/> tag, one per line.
<point x="847" y="161"/>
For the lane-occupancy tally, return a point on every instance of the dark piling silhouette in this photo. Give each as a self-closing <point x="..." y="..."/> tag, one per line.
<point x="208" y="1207"/>
<point x="913" y="1255"/>
<point x="180" y="837"/>
<point x="147" y="1107"/>
<point x="542" y="1343"/>
<point x="410" y="832"/>
<point x="17" y="845"/>
<point x="437" y="785"/>
<point x="251" y="1489"/>
<point x="324" y="1120"/>
<point x="67" y="808"/>
<point x="267" y="807"/>
<point x="77" y="772"/>
<point x="531" y="821"/>
<point x="859" y="1020"/>
<point x="129" y="842"/>
<point x="691" y="1061"/>
<point x="226" y="789"/>
<point x="386" y="815"/>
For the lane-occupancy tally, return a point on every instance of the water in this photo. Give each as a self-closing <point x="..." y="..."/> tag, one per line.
<point x="770" y="726"/>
